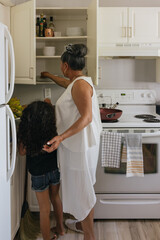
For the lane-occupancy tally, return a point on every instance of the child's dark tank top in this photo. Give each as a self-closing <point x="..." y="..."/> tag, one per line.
<point x="42" y="163"/>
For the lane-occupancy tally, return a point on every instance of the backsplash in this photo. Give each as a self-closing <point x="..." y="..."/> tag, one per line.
<point x="116" y="74"/>
<point x="29" y="93"/>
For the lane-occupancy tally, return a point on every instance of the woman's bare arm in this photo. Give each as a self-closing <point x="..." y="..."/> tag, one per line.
<point x="63" y="82"/>
<point x="82" y="96"/>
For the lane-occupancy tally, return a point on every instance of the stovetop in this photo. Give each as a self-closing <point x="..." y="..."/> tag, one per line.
<point x="132" y="103"/>
<point x="127" y="120"/>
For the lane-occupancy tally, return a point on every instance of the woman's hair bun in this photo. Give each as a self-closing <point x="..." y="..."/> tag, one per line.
<point x="77" y="50"/>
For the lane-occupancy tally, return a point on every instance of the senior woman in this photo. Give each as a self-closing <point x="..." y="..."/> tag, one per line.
<point x="78" y="126"/>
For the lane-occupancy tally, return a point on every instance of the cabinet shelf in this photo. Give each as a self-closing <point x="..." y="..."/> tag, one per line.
<point x="61" y="38"/>
<point x="45" y="82"/>
<point x="50" y="57"/>
<point x="40" y="80"/>
<point x="44" y="57"/>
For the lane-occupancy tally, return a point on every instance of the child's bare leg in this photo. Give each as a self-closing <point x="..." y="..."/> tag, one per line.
<point x="44" y="205"/>
<point x="57" y="205"/>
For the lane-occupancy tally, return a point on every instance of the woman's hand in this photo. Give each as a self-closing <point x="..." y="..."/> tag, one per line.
<point x="53" y="144"/>
<point x="44" y="74"/>
<point x="21" y="149"/>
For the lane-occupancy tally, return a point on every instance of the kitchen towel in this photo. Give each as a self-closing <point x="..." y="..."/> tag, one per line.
<point x="124" y="151"/>
<point x="110" y="149"/>
<point x="134" y="155"/>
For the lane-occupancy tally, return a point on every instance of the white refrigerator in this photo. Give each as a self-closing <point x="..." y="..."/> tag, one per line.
<point x="7" y="130"/>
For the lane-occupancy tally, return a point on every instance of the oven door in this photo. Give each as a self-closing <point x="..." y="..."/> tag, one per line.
<point x="115" y="181"/>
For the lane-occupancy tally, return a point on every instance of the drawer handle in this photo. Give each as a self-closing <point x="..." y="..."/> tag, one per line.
<point x="129" y="202"/>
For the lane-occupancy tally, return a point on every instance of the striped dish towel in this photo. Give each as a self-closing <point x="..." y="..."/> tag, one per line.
<point x="134" y="155"/>
<point x="110" y="149"/>
<point x="124" y="151"/>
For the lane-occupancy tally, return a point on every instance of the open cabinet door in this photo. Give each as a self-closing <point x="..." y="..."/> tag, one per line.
<point x="23" y="34"/>
<point x="92" y="59"/>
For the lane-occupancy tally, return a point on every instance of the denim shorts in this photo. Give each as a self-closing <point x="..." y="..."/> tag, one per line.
<point x="42" y="182"/>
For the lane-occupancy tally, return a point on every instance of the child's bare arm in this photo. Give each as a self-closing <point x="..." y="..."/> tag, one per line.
<point x="21" y="149"/>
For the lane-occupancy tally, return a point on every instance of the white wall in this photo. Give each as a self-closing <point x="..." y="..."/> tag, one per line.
<point x="107" y="3"/>
<point x="129" y="3"/>
<point x="29" y="93"/>
<point x="55" y="3"/>
<point x="5" y="15"/>
<point x="129" y="74"/>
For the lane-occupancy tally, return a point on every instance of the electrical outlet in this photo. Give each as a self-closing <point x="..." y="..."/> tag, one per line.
<point x="47" y="93"/>
<point x="99" y="72"/>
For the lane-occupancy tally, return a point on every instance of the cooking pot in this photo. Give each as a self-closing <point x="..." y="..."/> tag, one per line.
<point x="110" y="114"/>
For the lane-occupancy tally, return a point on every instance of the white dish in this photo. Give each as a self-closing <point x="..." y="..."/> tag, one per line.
<point x="57" y="34"/>
<point x="74" y="31"/>
<point x="49" y="51"/>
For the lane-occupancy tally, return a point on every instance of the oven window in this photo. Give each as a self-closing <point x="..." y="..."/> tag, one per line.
<point x="149" y="157"/>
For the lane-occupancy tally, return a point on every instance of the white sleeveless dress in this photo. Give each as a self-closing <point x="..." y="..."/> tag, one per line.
<point x="78" y="154"/>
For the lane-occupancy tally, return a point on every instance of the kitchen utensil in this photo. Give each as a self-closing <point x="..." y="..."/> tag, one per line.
<point x="110" y="114"/>
<point x="114" y="105"/>
<point x="49" y="51"/>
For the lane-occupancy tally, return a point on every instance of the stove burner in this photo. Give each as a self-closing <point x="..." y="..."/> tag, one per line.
<point x="109" y="121"/>
<point x="145" y="116"/>
<point x="153" y="120"/>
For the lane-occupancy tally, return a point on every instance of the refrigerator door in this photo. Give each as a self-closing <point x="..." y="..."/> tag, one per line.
<point x="6" y="83"/>
<point x="7" y="165"/>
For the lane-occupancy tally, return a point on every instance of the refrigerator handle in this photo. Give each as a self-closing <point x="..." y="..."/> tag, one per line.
<point x="10" y="169"/>
<point x="12" y="58"/>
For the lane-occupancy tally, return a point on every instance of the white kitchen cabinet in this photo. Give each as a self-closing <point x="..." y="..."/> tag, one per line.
<point x="129" y="25"/>
<point x="23" y="34"/>
<point x="17" y="190"/>
<point x="112" y="25"/>
<point x="144" y="25"/>
<point x="30" y="61"/>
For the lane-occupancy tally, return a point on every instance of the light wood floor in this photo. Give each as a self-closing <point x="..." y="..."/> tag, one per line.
<point x="117" y="230"/>
<point x="121" y="230"/>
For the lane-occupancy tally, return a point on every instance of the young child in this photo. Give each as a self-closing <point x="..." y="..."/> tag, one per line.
<point x="37" y="126"/>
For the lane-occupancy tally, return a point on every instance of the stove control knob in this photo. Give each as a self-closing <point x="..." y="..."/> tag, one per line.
<point x="149" y="95"/>
<point x="101" y="95"/>
<point x="142" y="95"/>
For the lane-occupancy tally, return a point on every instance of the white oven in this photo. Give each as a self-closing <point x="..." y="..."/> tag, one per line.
<point x="133" y="197"/>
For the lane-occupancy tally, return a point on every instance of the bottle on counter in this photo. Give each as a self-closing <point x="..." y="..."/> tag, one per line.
<point x="41" y="26"/>
<point x="44" y="25"/>
<point x="37" y="27"/>
<point x="51" y="25"/>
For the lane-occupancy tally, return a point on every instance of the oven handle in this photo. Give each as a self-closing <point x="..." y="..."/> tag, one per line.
<point x="155" y="134"/>
<point x="127" y="202"/>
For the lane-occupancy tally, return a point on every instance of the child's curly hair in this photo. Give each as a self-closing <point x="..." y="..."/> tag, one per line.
<point x="37" y="126"/>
